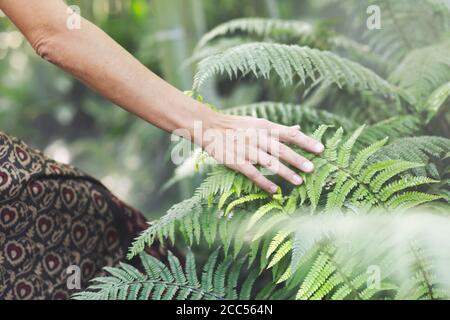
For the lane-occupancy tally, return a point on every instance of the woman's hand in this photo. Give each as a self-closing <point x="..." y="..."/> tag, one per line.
<point x="240" y="143"/>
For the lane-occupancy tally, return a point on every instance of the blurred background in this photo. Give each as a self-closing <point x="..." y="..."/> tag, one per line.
<point x="55" y="113"/>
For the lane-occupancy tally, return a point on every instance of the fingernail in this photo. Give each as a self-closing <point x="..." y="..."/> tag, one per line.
<point x="319" y="148"/>
<point x="297" y="180"/>
<point x="273" y="189"/>
<point x="308" y="166"/>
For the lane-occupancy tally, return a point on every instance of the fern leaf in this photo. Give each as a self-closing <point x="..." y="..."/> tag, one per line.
<point x="245" y="199"/>
<point x="274" y="205"/>
<point x="436" y="102"/>
<point x="261" y="58"/>
<point x="424" y="149"/>
<point x="423" y="71"/>
<point x="394" y="128"/>
<point x="290" y="115"/>
<point x="276" y="242"/>
<point x="318" y="273"/>
<point x="345" y="150"/>
<point x="410" y="199"/>
<point x="160" y="282"/>
<point x="259" y="28"/>
<point x="401" y="185"/>
<point x="284" y="249"/>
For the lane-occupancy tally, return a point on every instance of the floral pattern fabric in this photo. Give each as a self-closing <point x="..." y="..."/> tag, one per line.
<point x="54" y="216"/>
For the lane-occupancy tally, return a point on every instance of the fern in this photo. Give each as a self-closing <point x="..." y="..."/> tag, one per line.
<point x="165" y="226"/>
<point x="288" y="62"/>
<point x="394" y="163"/>
<point x="218" y="281"/>
<point x="394" y="128"/>
<point x="261" y="28"/>
<point x="423" y="71"/>
<point x="290" y="115"/>
<point x="423" y="283"/>
<point x="430" y="20"/>
<point x="426" y="150"/>
<point x="337" y="277"/>
<point x="358" y="52"/>
<point x="435" y="103"/>
<point x="353" y="181"/>
<point x="239" y="31"/>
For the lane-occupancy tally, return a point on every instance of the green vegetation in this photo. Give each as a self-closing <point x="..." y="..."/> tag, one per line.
<point x="378" y="100"/>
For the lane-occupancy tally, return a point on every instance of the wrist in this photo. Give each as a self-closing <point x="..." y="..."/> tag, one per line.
<point x="206" y="121"/>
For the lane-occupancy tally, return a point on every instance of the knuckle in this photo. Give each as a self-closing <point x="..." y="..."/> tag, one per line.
<point x="269" y="163"/>
<point x="293" y="134"/>
<point x="254" y="174"/>
<point x="276" y="166"/>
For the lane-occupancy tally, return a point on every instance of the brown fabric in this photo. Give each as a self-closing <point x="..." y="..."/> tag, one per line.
<point x="53" y="216"/>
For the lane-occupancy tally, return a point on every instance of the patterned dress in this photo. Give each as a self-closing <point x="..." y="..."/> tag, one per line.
<point x="52" y="217"/>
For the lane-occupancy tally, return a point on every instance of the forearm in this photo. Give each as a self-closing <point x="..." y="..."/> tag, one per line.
<point x="97" y="60"/>
<point x="93" y="57"/>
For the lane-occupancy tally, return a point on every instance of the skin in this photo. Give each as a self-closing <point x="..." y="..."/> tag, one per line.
<point x="98" y="61"/>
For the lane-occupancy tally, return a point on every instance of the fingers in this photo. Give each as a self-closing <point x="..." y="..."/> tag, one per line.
<point x="274" y="165"/>
<point x="267" y="148"/>
<point x="277" y="149"/>
<point x="294" y="136"/>
<point x="250" y="171"/>
<point x="283" y="152"/>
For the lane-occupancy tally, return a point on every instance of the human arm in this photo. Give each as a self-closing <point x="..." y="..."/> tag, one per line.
<point x="97" y="60"/>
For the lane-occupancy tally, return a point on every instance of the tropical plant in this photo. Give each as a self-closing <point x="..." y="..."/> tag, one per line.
<point x="380" y="108"/>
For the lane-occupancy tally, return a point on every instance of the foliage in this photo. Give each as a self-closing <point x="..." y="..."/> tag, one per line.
<point x="159" y="282"/>
<point x="382" y="117"/>
<point x="289" y="62"/>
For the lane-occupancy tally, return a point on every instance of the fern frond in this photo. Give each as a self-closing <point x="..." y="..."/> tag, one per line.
<point x="281" y="252"/>
<point x="162" y="282"/>
<point x="394" y="128"/>
<point x="290" y="115"/>
<point x="261" y="28"/>
<point x="436" y="103"/>
<point x="276" y="242"/>
<point x="410" y="199"/>
<point x="344" y="179"/>
<point x="424" y="149"/>
<point x="338" y="270"/>
<point x="405" y="183"/>
<point x="245" y="199"/>
<point x="165" y="226"/>
<point x="423" y="71"/>
<point x="290" y="62"/>
<point x="219" y="181"/>
<point x="423" y="284"/>
<point x="263" y="210"/>
<point x="317" y="275"/>
<point x="358" y="52"/>
<point x="341" y="180"/>
<point x="395" y="40"/>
